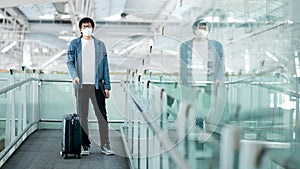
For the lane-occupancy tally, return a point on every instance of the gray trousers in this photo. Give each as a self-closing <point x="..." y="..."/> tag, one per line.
<point x="84" y="94"/>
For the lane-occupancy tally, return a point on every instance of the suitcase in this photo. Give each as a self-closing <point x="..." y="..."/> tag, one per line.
<point x="71" y="136"/>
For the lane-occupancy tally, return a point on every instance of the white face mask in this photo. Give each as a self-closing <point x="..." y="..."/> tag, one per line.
<point x="201" y="34"/>
<point x="87" y="31"/>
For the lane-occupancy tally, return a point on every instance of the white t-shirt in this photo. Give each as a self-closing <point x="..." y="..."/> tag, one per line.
<point x="88" y="61"/>
<point x="198" y="64"/>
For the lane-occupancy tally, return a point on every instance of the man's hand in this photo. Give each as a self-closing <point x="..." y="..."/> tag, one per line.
<point x="107" y="94"/>
<point x="218" y="82"/>
<point x="76" y="81"/>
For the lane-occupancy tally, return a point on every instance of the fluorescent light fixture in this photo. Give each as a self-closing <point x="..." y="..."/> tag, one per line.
<point x="67" y="38"/>
<point x="271" y="56"/>
<point x="233" y="20"/>
<point x="297" y="66"/>
<point x="47" y="16"/>
<point x="50" y="61"/>
<point x="113" y="18"/>
<point x="9" y="46"/>
<point x="212" y="19"/>
<point x="65" y="16"/>
<point x="36" y="50"/>
<point x="247" y="61"/>
<point x="45" y="50"/>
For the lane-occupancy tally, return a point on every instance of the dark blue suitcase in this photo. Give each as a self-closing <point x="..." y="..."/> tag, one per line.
<point x="71" y="136"/>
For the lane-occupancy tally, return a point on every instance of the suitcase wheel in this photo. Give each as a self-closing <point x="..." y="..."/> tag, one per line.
<point x="78" y="156"/>
<point x="66" y="156"/>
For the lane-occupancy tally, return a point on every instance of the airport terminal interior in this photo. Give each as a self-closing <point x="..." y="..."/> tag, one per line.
<point x="167" y="108"/>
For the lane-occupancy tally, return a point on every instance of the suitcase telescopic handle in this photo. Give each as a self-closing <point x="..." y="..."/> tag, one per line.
<point x="76" y="101"/>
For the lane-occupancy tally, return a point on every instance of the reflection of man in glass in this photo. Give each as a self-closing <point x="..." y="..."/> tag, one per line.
<point x="203" y="59"/>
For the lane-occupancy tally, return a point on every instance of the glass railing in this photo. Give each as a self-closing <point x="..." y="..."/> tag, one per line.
<point x="250" y="124"/>
<point x="19" y="109"/>
<point x="57" y="98"/>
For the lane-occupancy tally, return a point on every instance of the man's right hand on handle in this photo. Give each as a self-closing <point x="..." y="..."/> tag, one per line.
<point x="76" y="81"/>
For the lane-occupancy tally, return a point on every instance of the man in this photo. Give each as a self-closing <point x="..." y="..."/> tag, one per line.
<point x="203" y="59"/>
<point x="88" y="67"/>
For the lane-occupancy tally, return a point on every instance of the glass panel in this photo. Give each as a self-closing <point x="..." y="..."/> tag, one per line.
<point x="57" y="98"/>
<point x="18" y="108"/>
<point x="258" y="95"/>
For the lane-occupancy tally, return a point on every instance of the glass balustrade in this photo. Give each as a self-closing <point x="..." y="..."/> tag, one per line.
<point x="250" y="113"/>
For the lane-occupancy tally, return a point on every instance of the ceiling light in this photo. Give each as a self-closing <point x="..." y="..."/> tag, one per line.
<point x="47" y="16"/>
<point x="9" y="46"/>
<point x="67" y="38"/>
<point x="297" y="66"/>
<point x="36" y="50"/>
<point x="45" y="50"/>
<point x="271" y="56"/>
<point x="113" y="18"/>
<point x="65" y="16"/>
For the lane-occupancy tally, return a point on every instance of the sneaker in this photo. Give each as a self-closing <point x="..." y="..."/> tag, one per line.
<point x="85" y="151"/>
<point x="106" y="150"/>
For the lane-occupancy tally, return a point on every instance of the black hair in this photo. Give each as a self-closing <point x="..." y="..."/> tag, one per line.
<point x="86" y="20"/>
<point x="198" y="22"/>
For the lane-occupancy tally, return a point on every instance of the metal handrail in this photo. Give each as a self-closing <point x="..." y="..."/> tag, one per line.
<point x="69" y="81"/>
<point x="89" y="121"/>
<point x="17" y="84"/>
<point x="195" y="83"/>
<point x="273" y="69"/>
<point x="165" y="141"/>
<point x="280" y="89"/>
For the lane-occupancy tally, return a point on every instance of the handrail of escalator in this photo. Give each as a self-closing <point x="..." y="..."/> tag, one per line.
<point x="165" y="141"/>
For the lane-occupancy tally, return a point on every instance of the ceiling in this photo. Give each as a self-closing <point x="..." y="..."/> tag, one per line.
<point x="36" y="33"/>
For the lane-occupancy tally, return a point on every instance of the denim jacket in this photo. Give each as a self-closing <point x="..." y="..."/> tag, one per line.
<point x="215" y="49"/>
<point x="74" y="63"/>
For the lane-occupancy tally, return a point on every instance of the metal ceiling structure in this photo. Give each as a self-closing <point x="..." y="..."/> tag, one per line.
<point x="35" y="31"/>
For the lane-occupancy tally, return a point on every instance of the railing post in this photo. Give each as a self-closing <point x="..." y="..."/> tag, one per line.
<point x="35" y="97"/>
<point x="156" y="112"/>
<point x="10" y="115"/>
<point x="229" y="146"/>
<point x="22" y="122"/>
<point x="127" y="98"/>
<point x="185" y="122"/>
<point x="164" y="124"/>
